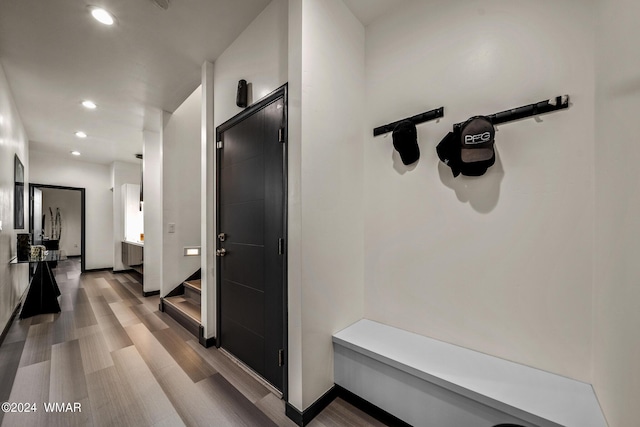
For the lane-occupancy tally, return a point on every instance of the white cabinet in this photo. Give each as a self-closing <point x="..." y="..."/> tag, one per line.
<point x="133" y="256"/>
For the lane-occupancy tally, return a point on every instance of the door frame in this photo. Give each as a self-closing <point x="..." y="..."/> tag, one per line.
<point x="33" y="186"/>
<point x="281" y="92"/>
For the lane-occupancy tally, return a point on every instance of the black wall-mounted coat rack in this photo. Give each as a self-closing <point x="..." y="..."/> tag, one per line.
<point x="420" y="118"/>
<point x="542" y="107"/>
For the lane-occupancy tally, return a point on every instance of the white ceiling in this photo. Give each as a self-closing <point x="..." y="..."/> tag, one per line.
<point x="368" y="11"/>
<point x="55" y="55"/>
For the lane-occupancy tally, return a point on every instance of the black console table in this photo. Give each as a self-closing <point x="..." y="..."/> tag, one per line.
<point x="43" y="293"/>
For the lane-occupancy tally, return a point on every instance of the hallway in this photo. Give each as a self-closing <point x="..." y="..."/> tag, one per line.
<point x="128" y="364"/>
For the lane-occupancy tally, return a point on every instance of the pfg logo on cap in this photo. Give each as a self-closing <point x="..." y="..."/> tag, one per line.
<point x="478" y="138"/>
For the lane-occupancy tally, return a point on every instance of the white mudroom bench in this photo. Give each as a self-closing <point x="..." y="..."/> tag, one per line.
<point x="426" y="382"/>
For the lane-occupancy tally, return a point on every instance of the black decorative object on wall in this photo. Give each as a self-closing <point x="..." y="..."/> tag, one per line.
<point x="417" y="119"/>
<point x="139" y="156"/>
<point x="468" y="148"/>
<point x="18" y="194"/>
<point x="241" y="96"/>
<point x="24" y="246"/>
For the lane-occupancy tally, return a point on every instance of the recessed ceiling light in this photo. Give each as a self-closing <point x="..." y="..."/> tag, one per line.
<point x="89" y="104"/>
<point x="75" y="153"/>
<point x="102" y="16"/>
<point x="81" y="134"/>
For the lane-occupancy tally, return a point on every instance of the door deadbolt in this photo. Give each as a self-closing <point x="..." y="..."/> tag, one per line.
<point x="222" y="237"/>
<point x="221" y="252"/>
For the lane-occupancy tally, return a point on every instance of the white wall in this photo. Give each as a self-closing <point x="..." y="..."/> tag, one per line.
<point x="326" y="276"/>
<point x="181" y="190"/>
<point x="121" y="173"/>
<point x="13" y="140"/>
<point x="152" y="183"/>
<point x="70" y="204"/>
<point x="207" y="204"/>
<point x="500" y="263"/>
<point x="294" y="206"/>
<point x="616" y="346"/>
<point x="95" y="178"/>
<point x="258" y="55"/>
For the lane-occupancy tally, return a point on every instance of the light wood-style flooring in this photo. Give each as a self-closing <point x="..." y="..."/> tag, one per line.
<point x="128" y="364"/>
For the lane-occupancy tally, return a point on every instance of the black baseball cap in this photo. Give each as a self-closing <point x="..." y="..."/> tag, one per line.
<point x="476" y="140"/>
<point x="405" y="141"/>
<point x="449" y="151"/>
<point x="468" y="149"/>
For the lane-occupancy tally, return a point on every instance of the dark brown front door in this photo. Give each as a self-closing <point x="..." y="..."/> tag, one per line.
<point x="251" y="235"/>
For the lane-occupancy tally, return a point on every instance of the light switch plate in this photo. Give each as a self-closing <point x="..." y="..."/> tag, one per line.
<point x="172" y="227"/>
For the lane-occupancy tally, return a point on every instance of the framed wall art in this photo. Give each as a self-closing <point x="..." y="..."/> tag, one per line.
<point x="18" y="194"/>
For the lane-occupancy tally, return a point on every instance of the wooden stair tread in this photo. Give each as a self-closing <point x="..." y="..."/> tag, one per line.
<point x="186" y="306"/>
<point x="193" y="284"/>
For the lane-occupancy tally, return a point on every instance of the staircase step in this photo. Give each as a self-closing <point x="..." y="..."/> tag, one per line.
<point x="185" y="311"/>
<point x="191" y="295"/>
<point x="194" y="285"/>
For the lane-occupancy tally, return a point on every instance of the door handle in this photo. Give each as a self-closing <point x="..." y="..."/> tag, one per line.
<point x="221" y="252"/>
